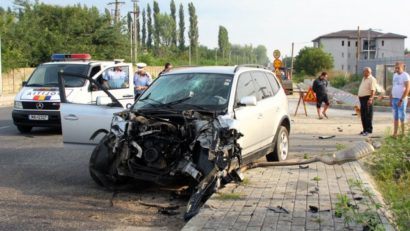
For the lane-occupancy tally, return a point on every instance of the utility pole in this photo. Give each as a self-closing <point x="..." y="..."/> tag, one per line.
<point x="190" y="55"/>
<point x="291" y="61"/>
<point x="116" y="10"/>
<point x="358" y="50"/>
<point x="368" y="43"/>
<point x="135" y="31"/>
<point x="216" y="56"/>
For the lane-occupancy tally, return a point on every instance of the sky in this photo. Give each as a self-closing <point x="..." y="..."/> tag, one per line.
<point x="276" y="24"/>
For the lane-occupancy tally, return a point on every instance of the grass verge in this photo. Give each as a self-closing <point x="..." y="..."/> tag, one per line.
<point x="390" y="166"/>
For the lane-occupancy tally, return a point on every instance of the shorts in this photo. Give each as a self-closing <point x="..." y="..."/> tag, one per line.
<point x="399" y="113"/>
<point x="321" y="99"/>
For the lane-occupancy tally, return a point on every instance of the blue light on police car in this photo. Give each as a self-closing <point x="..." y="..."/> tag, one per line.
<point x="63" y="57"/>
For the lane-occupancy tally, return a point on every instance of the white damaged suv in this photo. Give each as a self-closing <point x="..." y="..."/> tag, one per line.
<point x="194" y="126"/>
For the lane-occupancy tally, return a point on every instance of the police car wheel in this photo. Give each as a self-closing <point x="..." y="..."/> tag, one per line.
<point x="24" y="129"/>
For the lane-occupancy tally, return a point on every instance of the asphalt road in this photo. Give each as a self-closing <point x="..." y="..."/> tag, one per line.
<point x="46" y="187"/>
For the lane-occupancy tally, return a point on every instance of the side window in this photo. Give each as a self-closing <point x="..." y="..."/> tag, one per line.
<point x="115" y="77"/>
<point x="264" y="90"/>
<point x="245" y="87"/>
<point x="273" y="82"/>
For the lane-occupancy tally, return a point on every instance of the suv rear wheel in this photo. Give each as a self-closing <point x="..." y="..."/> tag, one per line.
<point x="281" y="146"/>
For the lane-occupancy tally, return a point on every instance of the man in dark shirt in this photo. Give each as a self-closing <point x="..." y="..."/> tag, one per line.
<point x="320" y="88"/>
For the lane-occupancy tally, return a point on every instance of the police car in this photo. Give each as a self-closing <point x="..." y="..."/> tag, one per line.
<point x="38" y="102"/>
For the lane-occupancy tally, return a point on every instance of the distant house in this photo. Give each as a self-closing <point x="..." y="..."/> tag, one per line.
<point x="345" y="45"/>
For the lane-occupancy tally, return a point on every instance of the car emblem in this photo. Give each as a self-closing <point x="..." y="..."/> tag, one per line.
<point x="39" y="105"/>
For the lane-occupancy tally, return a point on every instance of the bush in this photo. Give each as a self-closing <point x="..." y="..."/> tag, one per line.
<point x="338" y="81"/>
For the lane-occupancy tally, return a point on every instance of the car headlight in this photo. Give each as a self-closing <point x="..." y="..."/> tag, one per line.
<point x="18" y="105"/>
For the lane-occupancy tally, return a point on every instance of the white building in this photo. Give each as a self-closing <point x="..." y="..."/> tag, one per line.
<point x="343" y="46"/>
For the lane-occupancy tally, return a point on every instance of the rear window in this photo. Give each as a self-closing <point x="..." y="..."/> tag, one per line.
<point x="46" y="75"/>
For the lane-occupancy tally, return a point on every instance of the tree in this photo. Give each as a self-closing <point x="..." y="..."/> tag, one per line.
<point x="174" y="27"/>
<point x="166" y="23"/>
<point x="144" y="29"/>
<point x="223" y="41"/>
<point x="149" y="27"/>
<point x="312" y="60"/>
<point x="156" y="25"/>
<point x="260" y="53"/>
<point x="193" y="28"/>
<point x="181" y="28"/>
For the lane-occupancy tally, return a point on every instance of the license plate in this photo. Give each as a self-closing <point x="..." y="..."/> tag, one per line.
<point x="38" y="117"/>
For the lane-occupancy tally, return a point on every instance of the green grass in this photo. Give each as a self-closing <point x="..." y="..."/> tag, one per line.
<point x="390" y="166"/>
<point x="340" y="146"/>
<point x="228" y="196"/>
<point x="245" y="181"/>
<point x="317" y="179"/>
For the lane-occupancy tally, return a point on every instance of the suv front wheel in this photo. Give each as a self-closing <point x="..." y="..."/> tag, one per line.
<point x="281" y="146"/>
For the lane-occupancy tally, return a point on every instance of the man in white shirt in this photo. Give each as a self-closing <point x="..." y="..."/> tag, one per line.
<point x="398" y="97"/>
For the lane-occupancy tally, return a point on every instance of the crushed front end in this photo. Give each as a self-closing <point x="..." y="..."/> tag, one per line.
<point x="196" y="148"/>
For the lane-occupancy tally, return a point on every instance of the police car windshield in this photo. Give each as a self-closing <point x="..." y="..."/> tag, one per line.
<point x="46" y="75"/>
<point x="206" y="91"/>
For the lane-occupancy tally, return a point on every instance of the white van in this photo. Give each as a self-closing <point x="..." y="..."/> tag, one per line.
<point x="38" y="102"/>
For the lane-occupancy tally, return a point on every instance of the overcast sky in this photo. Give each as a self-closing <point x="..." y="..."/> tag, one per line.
<point x="276" y="24"/>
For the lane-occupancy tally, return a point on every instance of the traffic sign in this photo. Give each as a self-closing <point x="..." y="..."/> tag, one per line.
<point x="310" y="96"/>
<point x="277" y="63"/>
<point x="276" y="54"/>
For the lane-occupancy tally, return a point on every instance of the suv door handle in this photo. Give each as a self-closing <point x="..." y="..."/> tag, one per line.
<point x="71" y="117"/>
<point x="128" y="96"/>
<point x="260" y="116"/>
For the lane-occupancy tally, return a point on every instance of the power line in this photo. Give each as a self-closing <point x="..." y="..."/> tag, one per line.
<point x="116" y="10"/>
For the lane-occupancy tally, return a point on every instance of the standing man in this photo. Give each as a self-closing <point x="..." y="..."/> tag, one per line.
<point x="398" y="97"/>
<point x="320" y="88"/>
<point x="367" y="89"/>
<point x="115" y="79"/>
<point x="141" y="80"/>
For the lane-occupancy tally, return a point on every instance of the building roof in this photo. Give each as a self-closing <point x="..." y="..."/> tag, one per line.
<point x="352" y="34"/>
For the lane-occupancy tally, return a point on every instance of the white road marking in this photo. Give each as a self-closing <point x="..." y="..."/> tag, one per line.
<point x="4" y="127"/>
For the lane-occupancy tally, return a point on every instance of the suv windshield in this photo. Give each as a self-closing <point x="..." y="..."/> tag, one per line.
<point x="206" y="91"/>
<point x="47" y="75"/>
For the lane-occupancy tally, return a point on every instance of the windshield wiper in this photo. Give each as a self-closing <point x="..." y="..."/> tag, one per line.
<point x="153" y="100"/>
<point x="50" y="84"/>
<point x="34" y="85"/>
<point x="176" y="101"/>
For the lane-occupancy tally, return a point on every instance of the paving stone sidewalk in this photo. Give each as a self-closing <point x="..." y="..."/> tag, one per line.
<point x="292" y="188"/>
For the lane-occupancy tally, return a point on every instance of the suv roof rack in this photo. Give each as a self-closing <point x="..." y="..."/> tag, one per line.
<point x="248" y="65"/>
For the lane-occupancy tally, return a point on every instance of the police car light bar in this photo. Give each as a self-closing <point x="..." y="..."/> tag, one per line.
<point x="65" y="57"/>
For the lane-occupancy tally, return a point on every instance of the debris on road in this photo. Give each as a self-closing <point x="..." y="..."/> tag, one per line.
<point x="278" y="209"/>
<point x="326" y="137"/>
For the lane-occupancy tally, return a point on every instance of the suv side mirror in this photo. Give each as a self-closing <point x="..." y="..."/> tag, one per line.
<point x="23" y="83"/>
<point x="103" y="100"/>
<point x="248" y="100"/>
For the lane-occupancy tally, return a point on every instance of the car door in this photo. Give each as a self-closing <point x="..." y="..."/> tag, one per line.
<point x="121" y="87"/>
<point x="249" y="117"/>
<point x="79" y="121"/>
<point x="268" y="108"/>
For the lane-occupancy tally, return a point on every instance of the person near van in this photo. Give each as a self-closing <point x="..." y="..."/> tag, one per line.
<point x="367" y="90"/>
<point x="142" y="80"/>
<point x="320" y="88"/>
<point x="167" y="68"/>
<point x="115" y="79"/>
<point x="398" y="97"/>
